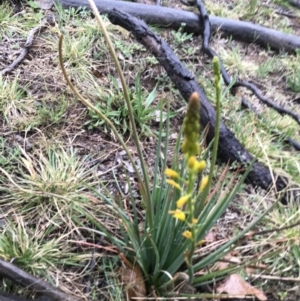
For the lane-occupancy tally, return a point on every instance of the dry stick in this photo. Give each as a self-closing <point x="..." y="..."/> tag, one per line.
<point x="229" y="147"/>
<point x="268" y="102"/>
<point x="273" y="230"/>
<point x="286" y="14"/>
<point x="276" y="133"/>
<point x="277" y="278"/>
<point x="211" y="53"/>
<point x="173" y="18"/>
<point x="22" y="278"/>
<point x="45" y="21"/>
<point x="198" y="296"/>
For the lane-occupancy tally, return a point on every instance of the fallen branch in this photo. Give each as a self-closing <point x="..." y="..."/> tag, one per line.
<point x="268" y="102"/>
<point x="24" y="279"/>
<point x="44" y="23"/>
<point x="230" y="148"/>
<point x="173" y="18"/>
<point x="276" y="133"/>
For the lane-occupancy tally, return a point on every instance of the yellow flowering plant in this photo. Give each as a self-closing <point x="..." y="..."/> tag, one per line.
<point x="179" y="207"/>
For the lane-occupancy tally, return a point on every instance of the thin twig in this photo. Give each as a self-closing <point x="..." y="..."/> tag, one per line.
<point x="270" y="103"/>
<point x="274" y="229"/>
<point x="84" y="243"/>
<point x="286" y="139"/>
<point x="197" y="297"/>
<point x="48" y="19"/>
<point x="277" y="278"/>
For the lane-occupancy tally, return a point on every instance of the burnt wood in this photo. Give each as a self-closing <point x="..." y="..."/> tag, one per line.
<point x="20" y="277"/>
<point x="173" y="18"/>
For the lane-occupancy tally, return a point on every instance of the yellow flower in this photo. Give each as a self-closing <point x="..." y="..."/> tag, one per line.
<point x="178" y="214"/>
<point x="187" y="234"/>
<point x="171" y="173"/>
<point x="203" y="184"/>
<point x="194" y="221"/>
<point x="182" y="201"/>
<point x="173" y="183"/>
<point x="192" y="161"/>
<point x="195" y="165"/>
<point x="199" y="166"/>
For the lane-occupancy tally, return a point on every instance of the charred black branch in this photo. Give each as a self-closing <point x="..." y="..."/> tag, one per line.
<point x="270" y="103"/>
<point x="173" y="18"/>
<point x="276" y="133"/>
<point x="22" y="278"/>
<point x="230" y="148"/>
